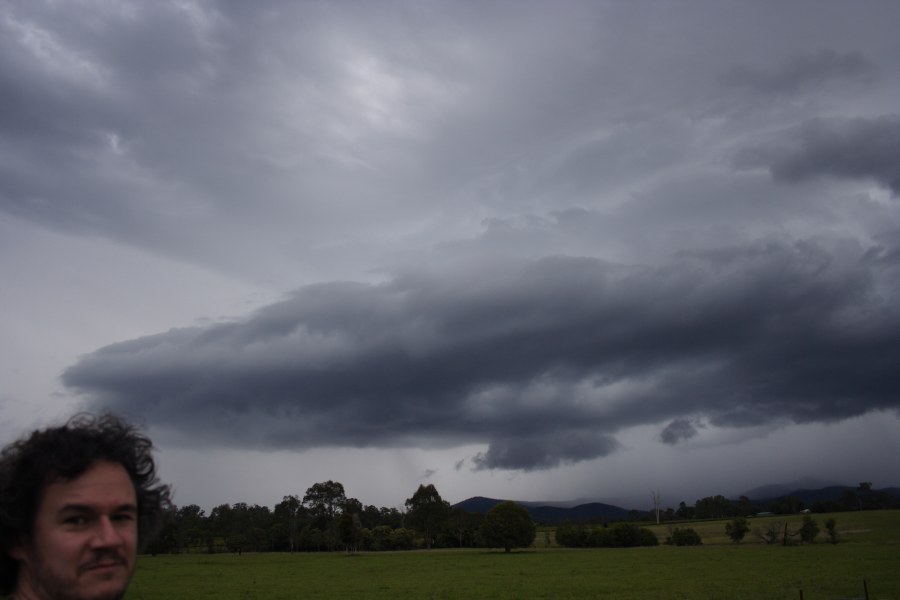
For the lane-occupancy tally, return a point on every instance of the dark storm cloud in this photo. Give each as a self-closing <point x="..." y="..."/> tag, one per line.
<point x="544" y="451"/>
<point x="678" y="430"/>
<point x="544" y="360"/>
<point x="803" y="71"/>
<point x="861" y="148"/>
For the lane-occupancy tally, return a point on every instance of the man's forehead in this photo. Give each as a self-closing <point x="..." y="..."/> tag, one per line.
<point x="103" y="482"/>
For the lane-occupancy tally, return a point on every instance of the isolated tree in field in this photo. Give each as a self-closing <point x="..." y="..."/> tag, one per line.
<point x="773" y="532"/>
<point x="508" y="526"/>
<point x="737" y="529"/>
<point x="809" y="530"/>
<point x="427" y="512"/>
<point x="831" y="528"/>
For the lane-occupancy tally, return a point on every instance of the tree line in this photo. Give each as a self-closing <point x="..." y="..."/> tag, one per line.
<point x="325" y="519"/>
<point x="719" y="507"/>
<point x="627" y="534"/>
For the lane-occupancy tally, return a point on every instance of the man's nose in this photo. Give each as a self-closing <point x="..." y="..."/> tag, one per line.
<point x="106" y="534"/>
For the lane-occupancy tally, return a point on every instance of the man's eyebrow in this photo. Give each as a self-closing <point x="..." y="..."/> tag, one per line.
<point x="127" y="507"/>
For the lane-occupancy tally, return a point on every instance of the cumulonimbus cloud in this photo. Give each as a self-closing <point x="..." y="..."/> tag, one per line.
<point x="544" y="361"/>
<point x="861" y="148"/>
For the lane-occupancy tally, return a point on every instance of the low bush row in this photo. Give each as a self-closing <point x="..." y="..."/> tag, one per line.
<point x="618" y="535"/>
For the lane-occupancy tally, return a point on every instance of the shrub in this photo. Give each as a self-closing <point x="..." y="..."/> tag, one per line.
<point x="625" y="535"/>
<point x="830" y="526"/>
<point x="599" y="537"/>
<point x="809" y="530"/>
<point x="684" y="537"/>
<point x="571" y="536"/>
<point x="620" y="535"/>
<point x="402" y="539"/>
<point x="648" y="538"/>
<point x="737" y="529"/>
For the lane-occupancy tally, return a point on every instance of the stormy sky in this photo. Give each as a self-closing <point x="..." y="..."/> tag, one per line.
<point x="523" y="249"/>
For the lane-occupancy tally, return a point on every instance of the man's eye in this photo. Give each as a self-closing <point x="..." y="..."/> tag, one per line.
<point x="125" y="517"/>
<point x="76" y="521"/>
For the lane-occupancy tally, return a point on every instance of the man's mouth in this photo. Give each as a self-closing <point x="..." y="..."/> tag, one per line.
<point x="107" y="564"/>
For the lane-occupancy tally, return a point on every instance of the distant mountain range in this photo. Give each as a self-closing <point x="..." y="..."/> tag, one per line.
<point x="557" y="512"/>
<point x="777" y="490"/>
<point x="809" y="496"/>
<point x="551" y="514"/>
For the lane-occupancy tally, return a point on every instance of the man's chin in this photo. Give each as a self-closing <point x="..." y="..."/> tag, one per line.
<point x="110" y="592"/>
<point x="105" y="583"/>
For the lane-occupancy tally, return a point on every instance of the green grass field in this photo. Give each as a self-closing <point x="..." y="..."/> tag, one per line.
<point x="869" y="549"/>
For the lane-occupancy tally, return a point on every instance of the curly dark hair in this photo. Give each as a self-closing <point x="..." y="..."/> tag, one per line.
<point x="30" y="464"/>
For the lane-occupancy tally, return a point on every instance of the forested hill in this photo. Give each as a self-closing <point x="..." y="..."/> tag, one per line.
<point x="826" y="499"/>
<point x="832" y="493"/>
<point x="552" y="514"/>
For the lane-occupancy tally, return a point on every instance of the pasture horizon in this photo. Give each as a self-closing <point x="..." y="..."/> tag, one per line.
<point x="869" y="542"/>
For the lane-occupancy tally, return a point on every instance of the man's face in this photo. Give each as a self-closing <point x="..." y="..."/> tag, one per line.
<point x="85" y="538"/>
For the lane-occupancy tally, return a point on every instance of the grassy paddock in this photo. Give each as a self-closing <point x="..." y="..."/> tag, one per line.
<point x="870" y="550"/>
<point x="867" y="527"/>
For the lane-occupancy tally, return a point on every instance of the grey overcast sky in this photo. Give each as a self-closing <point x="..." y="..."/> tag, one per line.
<point x="523" y="249"/>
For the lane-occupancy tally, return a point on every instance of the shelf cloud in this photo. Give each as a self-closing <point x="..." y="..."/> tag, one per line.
<point x="544" y="362"/>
